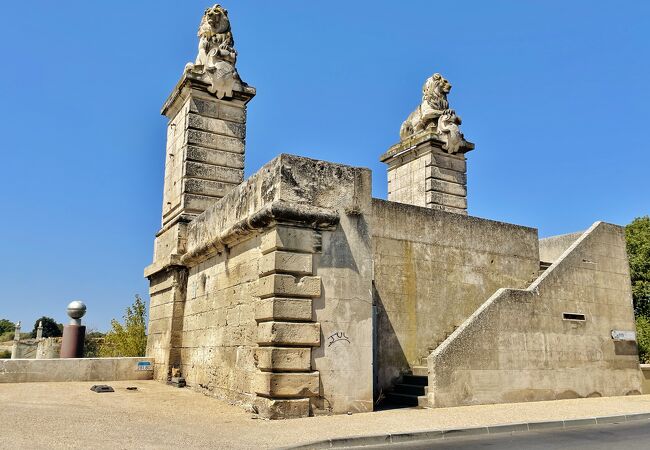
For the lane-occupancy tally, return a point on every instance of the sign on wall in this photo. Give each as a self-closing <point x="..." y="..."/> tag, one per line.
<point x="144" y="365"/>
<point x="619" y="335"/>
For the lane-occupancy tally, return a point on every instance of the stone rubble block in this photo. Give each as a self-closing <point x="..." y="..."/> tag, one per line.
<point x="218" y="109"/>
<point x="288" y="333"/>
<point x="446" y="200"/>
<point x="441" y="173"/>
<point x="279" y="261"/>
<point x="290" y="239"/>
<point x="278" y="359"/>
<point x="214" y="173"/>
<point x="207" y="187"/>
<point x="215" y="141"/>
<point x="216" y="157"/>
<point x="273" y="409"/>
<point x="458" y="164"/>
<point x="286" y="385"/>
<point x="288" y="285"/>
<point x="217" y="126"/>
<point x="197" y="203"/>
<point x="446" y="187"/>
<point x="278" y="308"/>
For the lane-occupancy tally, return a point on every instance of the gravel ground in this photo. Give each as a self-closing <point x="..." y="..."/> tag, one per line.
<point x="69" y="415"/>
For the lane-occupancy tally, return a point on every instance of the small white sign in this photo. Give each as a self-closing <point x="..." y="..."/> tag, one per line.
<point x="623" y="335"/>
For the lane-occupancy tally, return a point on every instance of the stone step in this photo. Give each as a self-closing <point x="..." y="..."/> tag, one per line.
<point x="409" y="389"/>
<point x="402" y="399"/>
<point x="422" y="371"/>
<point x="423" y="401"/>
<point x="419" y="380"/>
<point x="543" y="265"/>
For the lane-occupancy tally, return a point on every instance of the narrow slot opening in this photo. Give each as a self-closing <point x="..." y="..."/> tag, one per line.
<point x="573" y="316"/>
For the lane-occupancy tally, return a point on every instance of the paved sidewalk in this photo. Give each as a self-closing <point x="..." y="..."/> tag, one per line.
<point x="69" y="415"/>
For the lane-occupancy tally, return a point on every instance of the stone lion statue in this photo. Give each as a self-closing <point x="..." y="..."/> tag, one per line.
<point x="215" y="62"/>
<point x="434" y="115"/>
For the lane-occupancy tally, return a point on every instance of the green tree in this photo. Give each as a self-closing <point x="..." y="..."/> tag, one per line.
<point x="130" y="338"/>
<point x="93" y="343"/>
<point x="51" y="328"/>
<point x="637" y="237"/>
<point x="6" y="326"/>
<point x="643" y="338"/>
<point x="5" y="354"/>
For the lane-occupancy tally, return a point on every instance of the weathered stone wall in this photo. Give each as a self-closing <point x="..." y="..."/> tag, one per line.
<point x="238" y="307"/>
<point x="74" y="369"/>
<point x="432" y="269"/>
<point x="551" y="248"/>
<point x="48" y="348"/>
<point x="519" y="345"/>
<point x="167" y="289"/>
<point x="218" y="324"/>
<point x="344" y="311"/>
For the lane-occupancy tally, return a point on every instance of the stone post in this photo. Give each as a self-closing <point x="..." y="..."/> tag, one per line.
<point x="39" y="330"/>
<point x="14" y="348"/>
<point x="422" y="173"/>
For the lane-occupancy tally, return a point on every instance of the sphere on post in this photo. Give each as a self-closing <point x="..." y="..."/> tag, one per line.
<point x="76" y="310"/>
<point x="72" y="345"/>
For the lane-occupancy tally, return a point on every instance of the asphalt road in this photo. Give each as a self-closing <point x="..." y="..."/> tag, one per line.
<point x="628" y="436"/>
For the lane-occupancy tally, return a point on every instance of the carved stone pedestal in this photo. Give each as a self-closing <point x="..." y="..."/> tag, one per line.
<point x="422" y="173"/>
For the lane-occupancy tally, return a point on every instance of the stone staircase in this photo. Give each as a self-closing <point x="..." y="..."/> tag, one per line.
<point x="412" y="388"/>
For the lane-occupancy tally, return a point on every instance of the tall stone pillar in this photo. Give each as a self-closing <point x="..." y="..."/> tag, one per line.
<point x="428" y="166"/>
<point x="422" y="173"/>
<point x="204" y="160"/>
<point x="14" y="347"/>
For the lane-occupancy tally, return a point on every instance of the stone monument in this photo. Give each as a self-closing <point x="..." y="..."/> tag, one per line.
<point x="204" y="159"/>
<point x="296" y="293"/>
<point x="428" y="167"/>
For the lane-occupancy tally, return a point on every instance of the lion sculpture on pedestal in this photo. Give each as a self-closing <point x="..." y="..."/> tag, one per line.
<point x="215" y="62"/>
<point x="434" y="115"/>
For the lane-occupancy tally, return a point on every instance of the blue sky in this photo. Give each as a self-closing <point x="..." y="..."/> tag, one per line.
<point x="555" y="95"/>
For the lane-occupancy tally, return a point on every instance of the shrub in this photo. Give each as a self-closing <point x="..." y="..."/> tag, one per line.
<point x="130" y="338"/>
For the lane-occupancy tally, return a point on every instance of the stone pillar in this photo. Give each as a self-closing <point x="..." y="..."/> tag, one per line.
<point x="14" y="348"/>
<point x="422" y="173"/>
<point x="286" y="330"/>
<point x="205" y="148"/>
<point x="167" y="291"/>
<point x="204" y="161"/>
<point x="39" y="330"/>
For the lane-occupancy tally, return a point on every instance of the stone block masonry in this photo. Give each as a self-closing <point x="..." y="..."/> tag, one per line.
<point x="422" y="173"/>
<point x="286" y="331"/>
<point x="238" y="308"/>
<point x="205" y="148"/>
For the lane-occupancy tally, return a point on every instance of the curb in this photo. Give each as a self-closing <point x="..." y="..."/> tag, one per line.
<point x="388" y="438"/>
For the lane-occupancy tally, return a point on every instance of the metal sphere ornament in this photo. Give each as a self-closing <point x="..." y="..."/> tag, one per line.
<point x="76" y="310"/>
